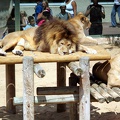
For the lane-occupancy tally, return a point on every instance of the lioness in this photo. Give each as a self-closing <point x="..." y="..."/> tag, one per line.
<point x="55" y="36"/>
<point x="108" y="71"/>
<point x="81" y="22"/>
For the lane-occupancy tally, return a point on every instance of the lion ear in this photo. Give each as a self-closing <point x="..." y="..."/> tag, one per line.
<point x="83" y="19"/>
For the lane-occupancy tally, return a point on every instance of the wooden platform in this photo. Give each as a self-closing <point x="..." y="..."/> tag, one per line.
<point x="47" y="57"/>
<point x="39" y="57"/>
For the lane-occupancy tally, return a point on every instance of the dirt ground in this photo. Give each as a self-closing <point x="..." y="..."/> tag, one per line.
<point x="104" y="111"/>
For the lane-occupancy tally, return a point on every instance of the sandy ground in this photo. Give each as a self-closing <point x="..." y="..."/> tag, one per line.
<point x="104" y="111"/>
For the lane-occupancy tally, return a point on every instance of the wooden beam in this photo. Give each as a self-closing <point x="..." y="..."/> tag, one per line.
<point x="39" y="71"/>
<point x="61" y="81"/>
<point x="57" y="90"/>
<point x="74" y="68"/>
<point x="50" y="99"/>
<point x="84" y="90"/>
<point x="10" y="88"/>
<point x="28" y="89"/>
<point x="17" y="15"/>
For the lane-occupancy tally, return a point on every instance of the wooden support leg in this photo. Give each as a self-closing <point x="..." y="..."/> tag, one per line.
<point x="28" y="89"/>
<point x="73" y="106"/>
<point x="84" y="90"/>
<point x="10" y="88"/>
<point x="61" y="81"/>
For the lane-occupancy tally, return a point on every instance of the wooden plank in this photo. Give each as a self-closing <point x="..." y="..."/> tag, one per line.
<point x="97" y="95"/>
<point x="50" y="99"/>
<point x="107" y="97"/>
<point x="10" y="88"/>
<point x="117" y="90"/>
<point x="73" y="106"/>
<point x="40" y="57"/>
<point x="111" y="92"/>
<point x="39" y="71"/>
<point x="84" y="90"/>
<point x="28" y="89"/>
<point x="74" y="68"/>
<point x="57" y="90"/>
<point x="61" y="81"/>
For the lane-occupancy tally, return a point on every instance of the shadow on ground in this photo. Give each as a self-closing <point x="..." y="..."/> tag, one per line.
<point x="48" y="112"/>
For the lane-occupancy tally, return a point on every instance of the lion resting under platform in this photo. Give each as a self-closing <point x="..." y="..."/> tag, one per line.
<point x="108" y="71"/>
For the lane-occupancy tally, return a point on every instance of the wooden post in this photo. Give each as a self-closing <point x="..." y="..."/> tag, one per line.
<point x="61" y="81"/>
<point x="39" y="70"/>
<point x="28" y="88"/>
<point x="10" y="87"/>
<point x="73" y="106"/>
<point x="74" y="68"/>
<point x="84" y="90"/>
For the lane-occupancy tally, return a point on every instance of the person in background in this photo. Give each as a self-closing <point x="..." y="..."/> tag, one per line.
<point x="31" y="23"/>
<point x="116" y="8"/>
<point x="45" y="17"/>
<point x="38" y="10"/>
<point x="71" y="7"/>
<point x="46" y="7"/>
<point x="63" y="14"/>
<point x="96" y="12"/>
<point x="23" y="19"/>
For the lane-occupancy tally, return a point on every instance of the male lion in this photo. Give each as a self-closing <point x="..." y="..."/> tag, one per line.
<point x="81" y="22"/>
<point x="55" y="36"/>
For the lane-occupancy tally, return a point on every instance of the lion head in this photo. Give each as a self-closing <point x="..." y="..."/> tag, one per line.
<point x="84" y="20"/>
<point x="57" y="35"/>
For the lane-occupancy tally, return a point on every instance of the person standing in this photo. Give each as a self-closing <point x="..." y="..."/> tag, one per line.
<point x="63" y="14"/>
<point x="116" y="8"/>
<point x="96" y="12"/>
<point x="71" y="7"/>
<point x="38" y="9"/>
<point x="23" y="19"/>
<point x="46" y="7"/>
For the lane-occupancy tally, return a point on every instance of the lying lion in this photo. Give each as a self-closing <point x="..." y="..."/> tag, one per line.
<point x="108" y="71"/>
<point x="81" y="22"/>
<point x="55" y="36"/>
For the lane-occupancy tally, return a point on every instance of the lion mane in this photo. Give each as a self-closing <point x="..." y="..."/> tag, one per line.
<point x="50" y="33"/>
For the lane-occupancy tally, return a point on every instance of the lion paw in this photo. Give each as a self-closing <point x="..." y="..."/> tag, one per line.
<point x="2" y="53"/>
<point x="17" y="52"/>
<point x="91" y="51"/>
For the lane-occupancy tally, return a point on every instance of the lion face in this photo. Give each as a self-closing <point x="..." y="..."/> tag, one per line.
<point x="64" y="46"/>
<point x="84" y="20"/>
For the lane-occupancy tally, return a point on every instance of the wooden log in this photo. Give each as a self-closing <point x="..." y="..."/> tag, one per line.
<point x="111" y="92"/>
<point x="61" y="81"/>
<point x="50" y="99"/>
<point x="84" y="90"/>
<point x="117" y="90"/>
<point x="74" y="68"/>
<point x="28" y="89"/>
<point x="40" y="57"/>
<point x="10" y="88"/>
<point x="97" y="95"/>
<point x="107" y="97"/>
<point x="38" y="70"/>
<point x="57" y="90"/>
<point x="73" y="106"/>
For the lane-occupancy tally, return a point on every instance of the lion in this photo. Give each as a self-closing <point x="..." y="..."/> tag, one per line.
<point x="55" y="36"/>
<point x="108" y="71"/>
<point x="81" y="22"/>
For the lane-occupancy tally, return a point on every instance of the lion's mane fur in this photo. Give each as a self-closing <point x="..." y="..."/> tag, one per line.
<point x="55" y="30"/>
